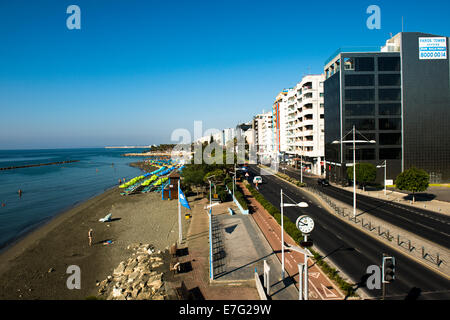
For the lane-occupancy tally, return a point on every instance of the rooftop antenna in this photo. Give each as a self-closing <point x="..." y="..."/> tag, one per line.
<point x="402" y="23"/>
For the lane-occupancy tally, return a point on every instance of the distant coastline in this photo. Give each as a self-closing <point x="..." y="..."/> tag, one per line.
<point x="129" y="147"/>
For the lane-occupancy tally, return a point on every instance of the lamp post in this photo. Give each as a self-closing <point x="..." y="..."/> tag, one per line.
<point x="301" y="168"/>
<point x="354" y="141"/>
<point x="282" y="205"/>
<point x="384" y="165"/>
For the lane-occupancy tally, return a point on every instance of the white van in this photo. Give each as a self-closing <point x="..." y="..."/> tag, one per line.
<point x="257" y="180"/>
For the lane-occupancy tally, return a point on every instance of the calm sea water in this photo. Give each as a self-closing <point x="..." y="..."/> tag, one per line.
<point x="49" y="190"/>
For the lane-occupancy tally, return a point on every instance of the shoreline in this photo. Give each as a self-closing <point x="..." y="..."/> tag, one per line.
<point x="31" y="229"/>
<point x="34" y="265"/>
<point x="42" y="224"/>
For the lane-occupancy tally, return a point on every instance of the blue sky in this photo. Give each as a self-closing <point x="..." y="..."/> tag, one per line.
<point x="137" y="70"/>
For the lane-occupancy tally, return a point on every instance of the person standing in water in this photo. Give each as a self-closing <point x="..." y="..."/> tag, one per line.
<point x="91" y="236"/>
<point x="20" y="192"/>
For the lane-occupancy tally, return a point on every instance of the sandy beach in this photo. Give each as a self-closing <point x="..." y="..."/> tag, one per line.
<point x="35" y="267"/>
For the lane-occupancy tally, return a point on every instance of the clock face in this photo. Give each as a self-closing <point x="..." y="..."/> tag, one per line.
<point x="305" y="224"/>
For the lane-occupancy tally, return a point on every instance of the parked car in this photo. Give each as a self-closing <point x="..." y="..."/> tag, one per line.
<point x="257" y="180"/>
<point x="323" y="182"/>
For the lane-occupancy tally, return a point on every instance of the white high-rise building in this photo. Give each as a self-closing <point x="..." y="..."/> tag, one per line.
<point x="305" y="123"/>
<point x="263" y="136"/>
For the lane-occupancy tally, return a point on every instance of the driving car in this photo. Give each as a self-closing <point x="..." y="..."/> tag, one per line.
<point x="323" y="182"/>
<point x="257" y="180"/>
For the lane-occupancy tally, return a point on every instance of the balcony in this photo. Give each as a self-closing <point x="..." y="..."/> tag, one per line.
<point x="306" y="88"/>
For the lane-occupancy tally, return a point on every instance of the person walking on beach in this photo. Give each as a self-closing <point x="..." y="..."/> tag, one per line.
<point x="90" y="235"/>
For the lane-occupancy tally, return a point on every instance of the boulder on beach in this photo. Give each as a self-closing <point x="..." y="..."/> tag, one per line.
<point x="136" y="278"/>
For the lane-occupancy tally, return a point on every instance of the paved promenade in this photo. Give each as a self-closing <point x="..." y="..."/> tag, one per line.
<point x="197" y="279"/>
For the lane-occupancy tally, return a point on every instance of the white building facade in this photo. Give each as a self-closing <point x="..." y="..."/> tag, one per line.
<point x="305" y="123"/>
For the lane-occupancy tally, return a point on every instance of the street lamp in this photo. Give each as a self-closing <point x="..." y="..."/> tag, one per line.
<point x="282" y="205"/>
<point x="354" y="141"/>
<point x="384" y="165"/>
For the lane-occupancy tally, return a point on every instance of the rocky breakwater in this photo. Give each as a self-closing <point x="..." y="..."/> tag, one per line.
<point x="138" y="278"/>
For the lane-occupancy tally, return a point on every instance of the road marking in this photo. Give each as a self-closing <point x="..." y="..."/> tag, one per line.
<point x="315" y="288"/>
<point x="314" y="274"/>
<point x="328" y="293"/>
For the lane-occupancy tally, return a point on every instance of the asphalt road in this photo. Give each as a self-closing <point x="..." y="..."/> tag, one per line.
<point x="352" y="251"/>
<point x="426" y="224"/>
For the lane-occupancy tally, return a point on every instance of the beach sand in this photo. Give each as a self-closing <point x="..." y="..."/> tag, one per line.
<point x="35" y="267"/>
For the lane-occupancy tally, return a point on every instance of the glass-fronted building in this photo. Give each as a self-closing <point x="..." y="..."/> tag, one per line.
<point x="394" y="96"/>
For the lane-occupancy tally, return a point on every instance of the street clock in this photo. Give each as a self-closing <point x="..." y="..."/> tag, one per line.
<point x="305" y="224"/>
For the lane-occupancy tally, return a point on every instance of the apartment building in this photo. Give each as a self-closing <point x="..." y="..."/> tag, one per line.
<point x="279" y="115"/>
<point x="398" y="96"/>
<point x="263" y="136"/>
<point x="305" y="123"/>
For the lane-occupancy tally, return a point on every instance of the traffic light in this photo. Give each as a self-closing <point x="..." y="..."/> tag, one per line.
<point x="388" y="269"/>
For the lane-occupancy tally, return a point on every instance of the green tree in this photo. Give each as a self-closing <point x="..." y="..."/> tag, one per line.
<point x="365" y="173"/>
<point x="218" y="174"/>
<point x="193" y="175"/>
<point x="413" y="180"/>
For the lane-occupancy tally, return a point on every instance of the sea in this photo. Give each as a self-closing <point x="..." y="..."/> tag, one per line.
<point x="50" y="190"/>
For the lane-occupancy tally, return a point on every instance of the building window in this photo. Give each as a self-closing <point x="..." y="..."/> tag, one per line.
<point x="359" y="95"/>
<point x="349" y="64"/>
<point x="389" y="79"/>
<point x="388" y="63"/>
<point x="321" y="116"/>
<point x="390" y="153"/>
<point x="360" y="154"/>
<point x="364" y="64"/>
<point x="389" y="94"/>
<point x="390" y="124"/>
<point x="359" y="80"/>
<point x="360" y="124"/>
<point x="390" y="139"/>
<point x="359" y="109"/>
<point x="389" y="109"/>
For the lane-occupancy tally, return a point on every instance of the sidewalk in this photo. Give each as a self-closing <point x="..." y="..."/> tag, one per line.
<point x="438" y="206"/>
<point x="240" y="248"/>
<point x="197" y="279"/>
<point x="320" y="287"/>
